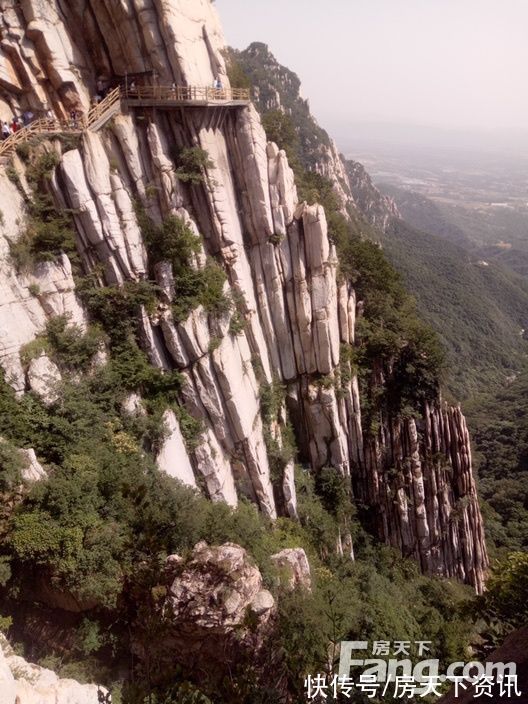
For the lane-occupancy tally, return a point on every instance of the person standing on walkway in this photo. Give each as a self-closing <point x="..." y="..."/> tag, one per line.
<point x="6" y="130"/>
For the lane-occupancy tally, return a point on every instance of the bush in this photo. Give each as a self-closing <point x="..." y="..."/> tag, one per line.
<point x="504" y="605"/>
<point x="41" y="167"/>
<point x="175" y="242"/>
<point x="191" y="165"/>
<point x="116" y="308"/>
<point x="69" y="345"/>
<point x="11" y="465"/>
<point x="238" y="78"/>
<point x="49" y="231"/>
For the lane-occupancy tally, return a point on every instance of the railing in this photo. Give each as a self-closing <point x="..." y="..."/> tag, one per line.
<point x="107" y="107"/>
<point x="99" y="110"/>
<point x="43" y="125"/>
<point x="188" y="94"/>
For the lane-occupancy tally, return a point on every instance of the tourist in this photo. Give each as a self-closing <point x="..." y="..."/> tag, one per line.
<point x="14" y="125"/>
<point x="6" y="130"/>
<point x="101" y="89"/>
<point x="27" y="117"/>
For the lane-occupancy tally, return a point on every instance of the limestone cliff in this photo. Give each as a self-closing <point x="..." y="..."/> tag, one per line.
<point x="276" y="88"/>
<point x="378" y="209"/>
<point x="24" y="683"/>
<point x="281" y="276"/>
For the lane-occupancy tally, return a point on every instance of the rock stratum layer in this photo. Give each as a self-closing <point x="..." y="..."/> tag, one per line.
<point x="281" y="269"/>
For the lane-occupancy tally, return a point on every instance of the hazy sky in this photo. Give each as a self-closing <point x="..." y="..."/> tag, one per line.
<point x="445" y="63"/>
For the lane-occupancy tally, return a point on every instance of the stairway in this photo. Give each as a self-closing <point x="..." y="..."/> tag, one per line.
<point x="104" y="111"/>
<point x="152" y="96"/>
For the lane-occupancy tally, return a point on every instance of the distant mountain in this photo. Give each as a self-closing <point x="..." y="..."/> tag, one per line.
<point x="379" y="209"/>
<point x="424" y="214"/>
<point x="495" y="235"/>
<point x="479" y="311"/>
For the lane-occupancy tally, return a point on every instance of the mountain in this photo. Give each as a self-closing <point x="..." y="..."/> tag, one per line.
<point x="476" y="304"/>
<point x="479" y="309"/>
<point x="219" y="409"/>
<point x="425" y="215"/>
<point x="492" y="234"/>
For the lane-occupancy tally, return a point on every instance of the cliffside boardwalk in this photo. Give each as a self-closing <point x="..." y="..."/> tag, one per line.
<point x="123" y="97"/>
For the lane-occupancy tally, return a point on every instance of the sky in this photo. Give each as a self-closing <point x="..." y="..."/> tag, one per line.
<point x="449" y="64"/>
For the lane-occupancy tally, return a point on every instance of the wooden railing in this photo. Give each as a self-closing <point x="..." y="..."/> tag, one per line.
<point x="109" y="106"/>
<point x="185" y="94"/>
<point x="43" y="125"/>
<point x="105" y="106"/>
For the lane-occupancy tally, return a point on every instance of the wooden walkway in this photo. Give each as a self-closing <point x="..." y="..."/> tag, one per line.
<point x="126" y="97"/>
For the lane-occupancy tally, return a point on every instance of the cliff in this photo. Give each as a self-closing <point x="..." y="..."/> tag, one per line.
<point x="281" y="277"/>
<point x="24" y="683"/>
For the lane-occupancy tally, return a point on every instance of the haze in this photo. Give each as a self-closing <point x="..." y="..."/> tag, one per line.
<point x="450" y="64"/>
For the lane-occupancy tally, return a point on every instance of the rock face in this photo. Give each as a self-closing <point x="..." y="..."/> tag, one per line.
<point x="418" y="478"/>
<point x="276" y="88"/>
<point x="43" y="376"/>
<point x="217" y="613"/>
<point x="32" y="470"/>
<point x="280" y="266"/>
<point x="295" y="567"/>
<point x="215" y="591"/>
<point x="377" y="208"/>
<point x="24" y="683"/>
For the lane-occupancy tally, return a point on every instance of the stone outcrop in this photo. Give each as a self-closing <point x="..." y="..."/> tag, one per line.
<point x="217" y="614"/>
<point x="276" y="88"/>
<point x="294" y="568"/>
<point x="24" y="683"/>
<point x="294" y="314"/>
<point x="377" y="208"/>
<point x="43" y="377"/>
<point x="418" y="479"/>
<point x="32" y="470"/>
<point x="215" y="590"/>
<point x="173" y="457"/>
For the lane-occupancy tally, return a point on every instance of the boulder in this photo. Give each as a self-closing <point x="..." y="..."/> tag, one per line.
<point x="215" y="590"/>
<point x="294" y="568"/>
<point x="43" y="377"/>
<point x="32" y="471"/>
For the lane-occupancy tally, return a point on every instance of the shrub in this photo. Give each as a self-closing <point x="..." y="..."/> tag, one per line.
<point x="191" y="165"/>
<point x="34" y="349"/>
<point x="280" y="128"/>
<point x="41" y="167"/>
<point x="11" y="465"/>
<point x="12" y="175"/>
<point x="116" y="308"/>
<point x="238" y="78"/>
<point x="175" y="242"/>
<point x="23" y="150"/>
<point x="49" y="232"/>
<point x="70" y="346"/>
<point x="237" y="324"/>
<point x="191" y="428"/>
